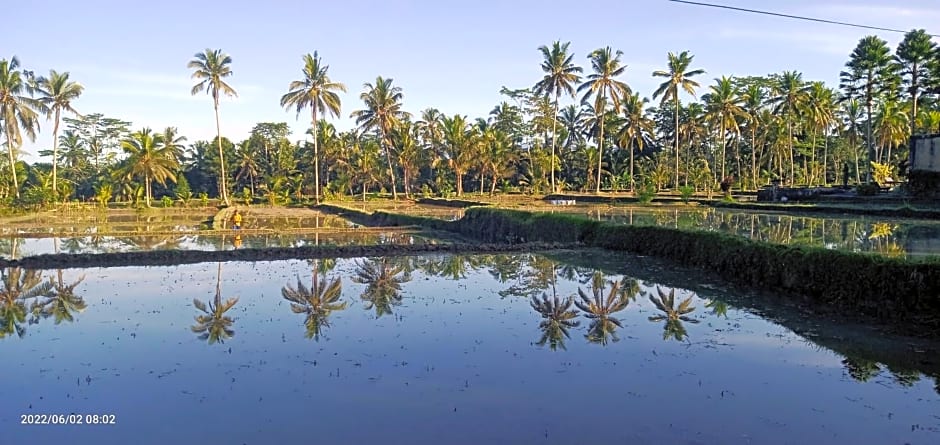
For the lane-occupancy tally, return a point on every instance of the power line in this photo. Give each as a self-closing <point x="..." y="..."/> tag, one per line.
<point x="790" y="16"/>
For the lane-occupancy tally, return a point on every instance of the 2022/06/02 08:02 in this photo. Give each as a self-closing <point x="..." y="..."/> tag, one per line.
<point x="68" y="419"/>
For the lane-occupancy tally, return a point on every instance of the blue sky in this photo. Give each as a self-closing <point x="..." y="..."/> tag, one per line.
<point x="455" y="56"/>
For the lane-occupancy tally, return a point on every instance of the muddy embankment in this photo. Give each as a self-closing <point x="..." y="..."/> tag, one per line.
<point x="888" y="289"/>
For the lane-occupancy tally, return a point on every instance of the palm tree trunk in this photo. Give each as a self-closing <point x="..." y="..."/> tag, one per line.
<point x="407" y="181"/>
<point x="914" y="88"/>
<point x="632" y="188"/>
<point x="16" y="186"/>
<point x="147" y="187"/>
<point x="316" y="155"/>
<point x="391" y="171"/>
<point x="754" y="156"/>
<point x="812" y="162"/>
<point x="218" y="133"/>
<point x="790" y="143"/>
<point x="675" y="96"/>
<point x="55" y="156"/>
<point x="493" y="186"/>
<point x="858" y="179"/>
<point x="459" y="182"/>
<point x="724" y="156"/>
<point x="825" y="162"/>
<point x="554" y="136"/>
<point x="600" y="151"/>
<point x="218" y="287"/>
<point x="868" y="141"/>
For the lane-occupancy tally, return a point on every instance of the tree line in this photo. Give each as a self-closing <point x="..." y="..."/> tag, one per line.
<point x="575" y="128"/>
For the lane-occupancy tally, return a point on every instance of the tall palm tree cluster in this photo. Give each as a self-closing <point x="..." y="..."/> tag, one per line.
<point x="744" y="130"/>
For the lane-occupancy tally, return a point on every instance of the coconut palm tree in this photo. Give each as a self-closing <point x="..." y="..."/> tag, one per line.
<point x="246" y="166"/>
<point x="317" y="302"/>
<point x="673" y="315"/>
<point x="213" y="324"/>
<point x="821" y="108"/>
<point x="74" y="155"/>
<point x="317" y="91"/>
<point x="755" y="95"/>
<point x="599" y="308"/>
<point x="870" y="72"/>
<point x="410" y="154"/>
<point x="603" y="85"/>
<point x="57" y="93"/>
<point x="382" y="114"/>
<point x="914" y="55"/>
<point x="723" y="105"/>
<point x="891" y="129"/>
<point x="210" y="68"/>
<point x="149" y="158"/>
<point x="19" y="111"/>
<point x="557" y="318"/>
<point x="678" y="76"/>
<point x="459" y="141"/>
<point x="637" y="129"/>
<point x="791" y="95"/>
<point x="561" y="74"/>
<point x="172" y="144"/>
<point x="851" y="113"/>
<point x="500" y="157"/>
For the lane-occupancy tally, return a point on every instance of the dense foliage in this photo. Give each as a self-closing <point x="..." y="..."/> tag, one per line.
<point x="743" y="131"/>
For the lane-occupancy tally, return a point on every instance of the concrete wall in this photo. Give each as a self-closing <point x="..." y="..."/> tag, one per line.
<point x="925" y="153"/>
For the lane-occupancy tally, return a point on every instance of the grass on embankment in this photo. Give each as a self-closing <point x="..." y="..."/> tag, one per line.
<point x="887" y="288"/>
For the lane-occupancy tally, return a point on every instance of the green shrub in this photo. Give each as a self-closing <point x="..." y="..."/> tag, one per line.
<point x="686" y="192"/>
<point x="167" y="201"/>
<point x="923" y="183"/>
<point x="869" y="189"/>
<point x="645" y="193"/>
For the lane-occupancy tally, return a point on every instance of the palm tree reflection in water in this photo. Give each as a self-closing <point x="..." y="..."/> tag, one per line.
<point x="599" y="308"/>
<point x="317" y="302"/>
<point x="556" y="320"/>
<point x="383" y="282"/>
<point x="213" y="325"/>
<point x="674" y="316"/>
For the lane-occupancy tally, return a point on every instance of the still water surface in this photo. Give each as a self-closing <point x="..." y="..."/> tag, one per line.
<point x="856" y="233"/>
<point x="433" y="349"/>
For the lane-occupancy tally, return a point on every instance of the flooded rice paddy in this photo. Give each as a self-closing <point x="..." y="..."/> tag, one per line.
<point x="557" y="348"/>
<point x="876" y="235"/>
<point x="130" y="231"/>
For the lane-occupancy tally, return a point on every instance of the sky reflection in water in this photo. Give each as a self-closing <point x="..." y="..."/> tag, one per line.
<point x="432" y="349"/>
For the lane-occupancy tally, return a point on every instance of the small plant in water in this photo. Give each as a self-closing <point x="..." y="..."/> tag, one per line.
<point x="674" y="316"/>
<point x="646" y="192"/>
<point x="686" y="192"/>
<point x="557" y="319"/>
